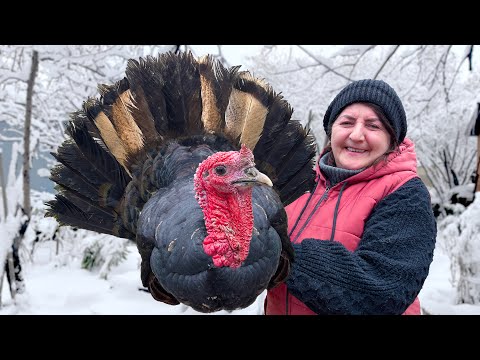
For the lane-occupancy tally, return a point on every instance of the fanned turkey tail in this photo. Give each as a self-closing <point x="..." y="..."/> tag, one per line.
<point x="106" y="168"/>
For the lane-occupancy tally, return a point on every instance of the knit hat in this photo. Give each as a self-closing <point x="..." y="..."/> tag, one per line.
<point x="373" y="91"/>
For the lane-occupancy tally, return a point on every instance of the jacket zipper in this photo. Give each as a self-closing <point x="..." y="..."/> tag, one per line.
<point x="335" y="212"/>
<point x="317" y="205"/>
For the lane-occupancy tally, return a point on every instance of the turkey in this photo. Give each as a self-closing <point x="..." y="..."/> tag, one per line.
<point x="194" y="162"/>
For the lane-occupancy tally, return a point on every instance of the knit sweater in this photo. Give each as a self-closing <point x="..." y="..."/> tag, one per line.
<point x="390" y="262"/>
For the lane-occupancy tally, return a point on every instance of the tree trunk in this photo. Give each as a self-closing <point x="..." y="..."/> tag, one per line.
<point x="14" y="284"/>
<point x="5" y="212"/>
<point x="477" y="187"/>
<point x="26" y="136"/>
<point x="4" y="191"/>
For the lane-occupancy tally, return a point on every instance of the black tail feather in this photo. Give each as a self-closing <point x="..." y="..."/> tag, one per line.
<point x="70" y="156"/>
<point x="71" y="179"/>
<point x="182" y="95"/>
<point x="94" y="150"/>
<point x="71" y="210"/>
<point x="146" y="80"/>
<point x="277" y="118"/>
<point x="297" y="183"/>
<point x="290" y="161"/>
<point x="293" y="167"/>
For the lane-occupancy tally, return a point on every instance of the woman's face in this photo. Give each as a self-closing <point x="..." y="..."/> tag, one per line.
<point x="358" y="137"/>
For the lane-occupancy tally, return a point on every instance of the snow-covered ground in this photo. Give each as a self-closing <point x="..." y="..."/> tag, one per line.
<point x="67" y="289"/>
<point x="438" y="295"/>
<point x="56" y="288"/>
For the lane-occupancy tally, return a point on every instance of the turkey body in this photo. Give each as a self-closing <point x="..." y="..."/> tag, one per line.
<point x="173" y="222"/>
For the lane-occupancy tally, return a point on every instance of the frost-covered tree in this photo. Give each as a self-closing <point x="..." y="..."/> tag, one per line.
<point x="39" y="87"/>
<point x="435" y="82"/>
<point x="67" y="76"/>
<point x="459" y="236"/>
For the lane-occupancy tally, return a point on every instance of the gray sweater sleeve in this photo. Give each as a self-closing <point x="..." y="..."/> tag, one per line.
<point x="386" y="271"/>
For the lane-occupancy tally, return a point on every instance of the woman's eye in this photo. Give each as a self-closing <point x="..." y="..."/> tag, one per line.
<point x="220" y="170"/>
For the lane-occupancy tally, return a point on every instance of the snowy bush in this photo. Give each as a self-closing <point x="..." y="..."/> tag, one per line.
<point x="104" y="252"/>
<point x="64" y="245"/>
<point x="459" y="235"/>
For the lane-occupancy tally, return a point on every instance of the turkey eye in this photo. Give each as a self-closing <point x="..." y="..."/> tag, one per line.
<point x="220" y="170"/>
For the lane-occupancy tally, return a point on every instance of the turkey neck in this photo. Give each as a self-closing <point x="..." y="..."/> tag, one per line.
<point x="229" y="223"/>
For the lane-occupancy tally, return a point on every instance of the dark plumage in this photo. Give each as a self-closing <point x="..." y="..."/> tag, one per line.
<point x="180" y="156"/>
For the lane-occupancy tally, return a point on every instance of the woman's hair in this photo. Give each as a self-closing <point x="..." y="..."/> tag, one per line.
<point x="386" y="123"/>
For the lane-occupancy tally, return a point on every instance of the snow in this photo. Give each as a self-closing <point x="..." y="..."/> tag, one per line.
<point x="43" y="172"/>
<point x="55" y="289"/>
<point x="56" y="283"/>
<point x="438" y="296"/>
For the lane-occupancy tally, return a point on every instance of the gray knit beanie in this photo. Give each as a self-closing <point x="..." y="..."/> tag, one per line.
<point x="373" y="91"/>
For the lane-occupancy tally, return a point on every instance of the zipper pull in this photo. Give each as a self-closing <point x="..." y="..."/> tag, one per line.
<point x="328" y="186"/>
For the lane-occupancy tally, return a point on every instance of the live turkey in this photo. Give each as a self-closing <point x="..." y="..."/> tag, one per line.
<point x="194" y="162"/>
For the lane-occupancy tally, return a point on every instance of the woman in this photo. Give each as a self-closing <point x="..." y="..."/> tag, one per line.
<point x="364" y="237"/>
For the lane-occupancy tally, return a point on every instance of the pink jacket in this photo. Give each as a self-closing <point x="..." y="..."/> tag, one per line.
<point x="363" y="192"/>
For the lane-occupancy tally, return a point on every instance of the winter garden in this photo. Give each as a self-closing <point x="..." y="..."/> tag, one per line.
<point x="98" y="274"/>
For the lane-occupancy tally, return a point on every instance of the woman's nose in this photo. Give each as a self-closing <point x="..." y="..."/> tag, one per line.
<point x="357" y="133"/>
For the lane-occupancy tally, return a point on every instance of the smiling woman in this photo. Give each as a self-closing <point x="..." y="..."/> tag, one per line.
<point x="364" y="237"/>
<point x="359" y="136"/>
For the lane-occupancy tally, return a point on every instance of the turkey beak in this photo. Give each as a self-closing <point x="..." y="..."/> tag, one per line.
<point x="262" y="178"/>
<point x="254" y="177"/>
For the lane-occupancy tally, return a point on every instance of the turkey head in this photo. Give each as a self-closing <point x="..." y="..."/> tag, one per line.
<point x="223" y="188"/>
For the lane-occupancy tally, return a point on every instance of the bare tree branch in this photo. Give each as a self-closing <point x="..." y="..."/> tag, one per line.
<point x="386" y="61"/>
<point x="322" y="64"/>
<point x="468" y="165"/>
<point x="360" y="57"/>
<point x="434" y="183"/>
<point x="467" y="56"/>
<point x="89" y="68"/>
